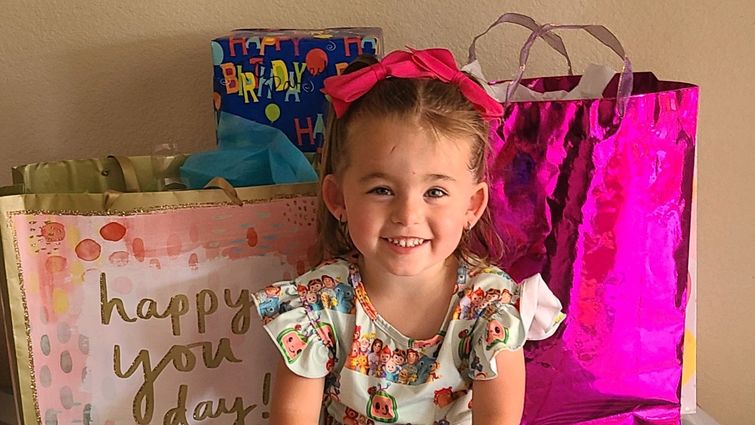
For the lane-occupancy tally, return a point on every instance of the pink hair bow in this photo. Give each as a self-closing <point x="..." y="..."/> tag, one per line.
<point x="436" y="63"/>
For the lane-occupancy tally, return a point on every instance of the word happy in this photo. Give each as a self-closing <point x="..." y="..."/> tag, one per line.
<point x="206" y="302"/>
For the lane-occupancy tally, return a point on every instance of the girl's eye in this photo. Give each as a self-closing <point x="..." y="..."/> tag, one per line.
<point x="435" y="193"/>
<point x="381" y="191"/>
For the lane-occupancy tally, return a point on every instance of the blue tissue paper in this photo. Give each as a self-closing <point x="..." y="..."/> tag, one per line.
<point x="249" y="154"/>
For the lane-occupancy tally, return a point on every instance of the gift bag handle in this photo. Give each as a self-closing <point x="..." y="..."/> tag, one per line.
<point x="216" y="183"/>
<point x="130" y="181"/>
<point x="552" y="39"/>
<point x="599" y="32"/>
<point x="226" y="187"/>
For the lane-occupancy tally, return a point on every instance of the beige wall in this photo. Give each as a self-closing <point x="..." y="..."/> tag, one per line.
<point x="82" y="78"/>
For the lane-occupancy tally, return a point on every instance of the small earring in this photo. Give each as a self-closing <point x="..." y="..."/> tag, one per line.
<point x="468" y="226"/>
<point x="343" y="231"/>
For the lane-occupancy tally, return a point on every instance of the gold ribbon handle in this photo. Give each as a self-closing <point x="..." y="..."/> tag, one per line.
<point x="128" y="170"/>
<point x="110" y="197"/>
<point x="222" y="184"/>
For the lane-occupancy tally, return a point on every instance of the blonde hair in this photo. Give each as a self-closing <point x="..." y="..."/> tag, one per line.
<point x="439" y="107"/>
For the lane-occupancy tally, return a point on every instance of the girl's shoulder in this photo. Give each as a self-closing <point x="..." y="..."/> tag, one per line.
<point x="336" y="267"/>
<point x="487" y="277"/>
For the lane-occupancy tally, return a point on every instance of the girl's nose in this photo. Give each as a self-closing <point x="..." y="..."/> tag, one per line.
<point x="406" y="212"/>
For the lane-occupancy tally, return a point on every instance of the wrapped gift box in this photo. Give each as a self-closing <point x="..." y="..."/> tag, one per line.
<point x="274" y="76"/>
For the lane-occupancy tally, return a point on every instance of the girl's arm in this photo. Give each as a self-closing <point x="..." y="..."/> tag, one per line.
<point x="500" y="401"/>
<point x="296" y="400"/>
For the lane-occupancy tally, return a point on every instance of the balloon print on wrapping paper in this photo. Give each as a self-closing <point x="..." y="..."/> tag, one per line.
<point x="272" y="112"/>
<point x="317" y="61"/>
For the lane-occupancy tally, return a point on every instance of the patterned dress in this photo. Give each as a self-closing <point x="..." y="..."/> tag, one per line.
<point x="325" y="326"/>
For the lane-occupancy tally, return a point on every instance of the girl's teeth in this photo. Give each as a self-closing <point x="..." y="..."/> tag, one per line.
<point x="404" y="243"/>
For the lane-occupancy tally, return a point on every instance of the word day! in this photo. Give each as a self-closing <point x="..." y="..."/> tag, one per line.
<point x="206" y="410"/>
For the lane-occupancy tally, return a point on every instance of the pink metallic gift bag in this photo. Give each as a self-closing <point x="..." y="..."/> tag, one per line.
<point x="596" y="195"/>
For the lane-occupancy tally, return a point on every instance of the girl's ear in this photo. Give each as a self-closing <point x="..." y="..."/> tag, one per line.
<point x="477" y="203"/>
<point x="332" y="196"/>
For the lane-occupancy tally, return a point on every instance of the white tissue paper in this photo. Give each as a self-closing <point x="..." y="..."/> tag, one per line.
<point x="591" y="85"/>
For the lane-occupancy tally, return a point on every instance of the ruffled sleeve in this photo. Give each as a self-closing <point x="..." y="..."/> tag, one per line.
<point x="539" y="308"/>
<point x="511" y="314"/>
<point x="293" y="315"/>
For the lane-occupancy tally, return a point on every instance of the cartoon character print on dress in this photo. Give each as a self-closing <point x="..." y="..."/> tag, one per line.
<point x="391" y="370"/>
<point x="404" y="376"/>
<point x="357" y="361"/>
<point x="461" y="281"/>
<point x="465" y="343"/>
<point x="354" y="418"/>
<point x="477" y="298"/>
<point x="417" y="369"/>
<point x="433" y="374"/>
<point x="424" y="366"/>
<point x="365" y="342"/>
<point x="506" y="297"/>
<point x="326" y="333"/>
<point x="315" y="285"/>
<point x="355" y="276"/>
<point x="461" y="278"/>
<point x="328" y="294"/>
<point x="398" y="357"/>
<point x="470" y="304"/>
<point x="269" y="304"/>
<point x="492" y="295"/>
<point x="495" y="334"/>
<point x="465" y="348"/>
<point x="373" y="358"/>
<point x="445" y="396"/>
<point x="474" y="300"/>
<point x="370" y="356"/>
<point x="382" y="406"/>
<point x="269" y="309"/>
<point x="344" y="298"/>
<point x="310" y="294"/>
<point x="408" y="374"/>
<point x="385" y="355"/>
<point x="293" y="342"/>
<point x="464" y="305"/>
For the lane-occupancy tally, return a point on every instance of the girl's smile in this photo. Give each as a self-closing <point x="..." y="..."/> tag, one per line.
<point x="406" y="242"/>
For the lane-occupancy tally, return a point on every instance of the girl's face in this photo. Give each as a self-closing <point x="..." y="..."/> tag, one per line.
<point x="406" y="196"/>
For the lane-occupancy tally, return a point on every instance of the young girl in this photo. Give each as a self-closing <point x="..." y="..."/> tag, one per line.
<point x="417" y="330"/>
